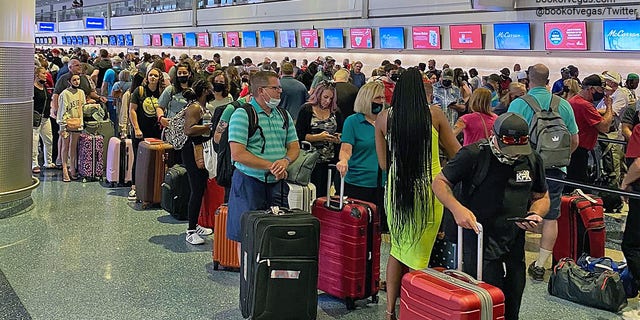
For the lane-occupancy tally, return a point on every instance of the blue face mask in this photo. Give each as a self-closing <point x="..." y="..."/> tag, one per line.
<point x="376" y="107"/>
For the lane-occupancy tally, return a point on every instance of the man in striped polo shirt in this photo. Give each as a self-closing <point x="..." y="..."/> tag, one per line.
<point x="261" y="160"/>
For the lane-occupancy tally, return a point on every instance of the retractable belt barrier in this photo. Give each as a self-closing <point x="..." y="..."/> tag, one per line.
<point x="596" y="188"/>
<point x="608" y="140"/>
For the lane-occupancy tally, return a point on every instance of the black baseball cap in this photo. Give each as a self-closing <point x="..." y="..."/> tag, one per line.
<point x="512" y="133"/>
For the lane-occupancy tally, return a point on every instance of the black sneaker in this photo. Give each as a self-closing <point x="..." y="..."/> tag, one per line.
<point x="536" y="273"/>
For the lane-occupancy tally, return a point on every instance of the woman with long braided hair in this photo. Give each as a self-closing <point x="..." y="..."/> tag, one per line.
<point x="409" y="135"/>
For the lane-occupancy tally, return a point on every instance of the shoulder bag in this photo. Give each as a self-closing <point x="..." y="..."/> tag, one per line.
<point x="299" y="171"/>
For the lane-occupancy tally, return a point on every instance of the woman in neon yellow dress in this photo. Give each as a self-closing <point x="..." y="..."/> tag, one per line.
<point x="410" y="134"/>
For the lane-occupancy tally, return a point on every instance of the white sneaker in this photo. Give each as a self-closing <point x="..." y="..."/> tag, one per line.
<point x="194" y="238"/>
<point x="132" y="195"/>
<point x="203" y="231"/>
<point x="633" y="314"/>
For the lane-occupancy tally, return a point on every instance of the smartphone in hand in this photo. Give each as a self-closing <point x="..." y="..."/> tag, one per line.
<point x="520" y="219"/>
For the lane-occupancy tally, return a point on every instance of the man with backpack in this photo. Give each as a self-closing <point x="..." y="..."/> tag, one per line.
<point x="554" y="134"/>
<point x="501" y="185"/>
<point x="110" y="78"/>
<point x="262" y="144"/>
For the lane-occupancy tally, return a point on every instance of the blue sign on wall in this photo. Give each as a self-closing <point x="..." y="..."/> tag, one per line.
<point x="94" y="23"/>
<point x="333" y="38"/>
<point x="511" y="36"/>
<point x="268" y="39"/>
<point x="46" y="26"/>
<point x="621" y="35"/>
<point x="249" y="39"/>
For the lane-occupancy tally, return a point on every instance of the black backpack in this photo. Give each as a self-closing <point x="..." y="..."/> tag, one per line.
<point x="224" y="170"/>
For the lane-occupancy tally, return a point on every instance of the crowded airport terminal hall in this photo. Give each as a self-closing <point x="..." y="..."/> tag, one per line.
<point x="304" y="159"/>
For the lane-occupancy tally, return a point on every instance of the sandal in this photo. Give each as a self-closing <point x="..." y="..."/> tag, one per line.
<point x="35" y="170"/>
<point x="391" y="315"/>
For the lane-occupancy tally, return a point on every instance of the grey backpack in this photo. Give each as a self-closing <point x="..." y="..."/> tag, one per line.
<point x="548" y="133"/>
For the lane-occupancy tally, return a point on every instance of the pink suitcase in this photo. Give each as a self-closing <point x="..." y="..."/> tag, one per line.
<point x="432" y="294"/>
<point x="119" y="161"/>
<point x="90" y="163"/>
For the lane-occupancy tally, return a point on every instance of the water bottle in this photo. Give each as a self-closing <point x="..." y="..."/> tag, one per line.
<point x="206" y="121"/>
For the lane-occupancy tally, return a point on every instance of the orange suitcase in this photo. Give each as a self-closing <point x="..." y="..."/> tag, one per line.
<point x="211" y="201"/>
<point x="225" y="251"/>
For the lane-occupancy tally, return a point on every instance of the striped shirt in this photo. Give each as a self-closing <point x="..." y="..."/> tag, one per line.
<point x="276" y="138"/>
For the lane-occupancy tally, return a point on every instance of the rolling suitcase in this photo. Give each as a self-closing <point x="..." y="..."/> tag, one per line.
<point x="90" y="149"/>
<point x="279" y="266"/>
<point x="225" y="251"/>
<point x="301" y="197"/>
<point x="103" y="128"/>
<point x="119" y="162"/>
<point x="349" y="258"/>
<point x="152" y="160"/>
<point x="211" y="201"/>
<point x="450" y="294"/>
<point x="176" y="192"/>
<point x="580" y="227"/>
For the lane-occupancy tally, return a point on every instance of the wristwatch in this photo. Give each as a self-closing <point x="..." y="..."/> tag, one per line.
<point x="288" y="159"/>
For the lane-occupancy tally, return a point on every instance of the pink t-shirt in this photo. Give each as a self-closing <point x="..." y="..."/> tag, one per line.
<point x="474" y="130"/>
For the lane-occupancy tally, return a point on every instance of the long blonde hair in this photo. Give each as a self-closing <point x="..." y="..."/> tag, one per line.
<point x="480" y="101"/>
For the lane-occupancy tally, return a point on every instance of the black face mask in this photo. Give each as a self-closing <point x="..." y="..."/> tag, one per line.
<point x="395" y="77"/>
<point x="245" y="80"/>
<point x="218" y="87"/>
<point x="75" y="87"/>
<point x="42" y="81"/>
<point x="183" y="79"/>
<point x="446" y="83"/>
<point x="376" y="107"/>
<point x="597" y="96"/>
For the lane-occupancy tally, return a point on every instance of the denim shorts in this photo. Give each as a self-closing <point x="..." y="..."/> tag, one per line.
<point x="555" y="193"/>
<point x="249" y="194"/>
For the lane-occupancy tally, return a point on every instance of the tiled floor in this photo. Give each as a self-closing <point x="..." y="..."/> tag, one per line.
<point x="84" y="252"/>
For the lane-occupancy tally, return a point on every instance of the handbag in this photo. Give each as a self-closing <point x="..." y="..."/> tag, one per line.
<point x="210" y="158"/>
<point x="591" y="264"/>
<point x="602" y="290"/>
<point x="73" y="124"/>
<point x="443" y="254"/>
<point x="174" y="133"/>
<point x="299" y="171"/>
<point x="198" y="155"/>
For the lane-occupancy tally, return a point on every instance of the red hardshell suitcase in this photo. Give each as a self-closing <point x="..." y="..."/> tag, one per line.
<point x="349" y="257"/>
<point x="450" y="294"/>
<point x="225" y="251"/>
<point x="580" y="227"/>
<point x="119" y="161"/>
<point x="90" y="162"/>
<point x="211" y="201"/>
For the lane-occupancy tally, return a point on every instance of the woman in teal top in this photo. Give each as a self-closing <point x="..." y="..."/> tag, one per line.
<point x="410" y="134"/>
<point x="358" y="163"/>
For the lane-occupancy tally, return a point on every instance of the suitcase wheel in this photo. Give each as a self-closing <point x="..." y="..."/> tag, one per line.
<point x="84" y="180"/>
<point x="146" y="205"/>
<point x="351" y="304"/>
<point x="375" y="299"/>
<point x="215" y="265"/>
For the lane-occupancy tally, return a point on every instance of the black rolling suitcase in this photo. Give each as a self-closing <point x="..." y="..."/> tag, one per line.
<point x="176" y="192"/>
<point x="279" y="265"/>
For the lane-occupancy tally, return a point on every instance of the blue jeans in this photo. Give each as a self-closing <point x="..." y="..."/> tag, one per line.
<point x="249" y="194"/>
<point x="113" y="115"/>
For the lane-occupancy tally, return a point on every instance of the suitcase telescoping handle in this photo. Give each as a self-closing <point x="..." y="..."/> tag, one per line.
<point x="341" y="201"/>
<point x="480" y="252"/>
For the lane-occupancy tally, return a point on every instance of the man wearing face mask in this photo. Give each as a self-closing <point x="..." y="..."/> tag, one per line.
<point x="503" y="188"/>
<point x="260" y="160"/>
<point x="326" y="74"/>
<point x="448" y="96"/>
<point x="590" y="122"/>
<point x="389" y="79"/>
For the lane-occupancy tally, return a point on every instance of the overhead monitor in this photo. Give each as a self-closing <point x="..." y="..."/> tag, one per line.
<point x="309" y="38"/>
<point x="97" y="38"/>
<point x="333" y="38"/>
<point x="511" y="36"/>
<point x="64" y="40"/>
<point x="391" y="37"/>
<point x="468" y="36"/>
<point x="105" y="40"/>
<point x="113" y="40"/>
<point x="233" y="39"/>
<point x="361" y="38"/>
<point x="54" y="40"/>
<point x="156" y="40"/>
<point x="217" y="39"/>
<point x="565" y="35"/>
<point x="190" y="39"/>
<point x="178" y="40"/>
<point x="85" y="40"/>
<point x="128" y="40"/>
<point x="427" y="37"/>
<point x="92" y="40"/>
<point x="203" y="39"/>
<point x="621" y="35"/>
<point x="121" y="42"/>
<point x="288" y="39"/>
<point x="249" y="39"/>
<point x="268" y="39"/>
<point x="146" y="40"/>
<point x="167" y="40"/>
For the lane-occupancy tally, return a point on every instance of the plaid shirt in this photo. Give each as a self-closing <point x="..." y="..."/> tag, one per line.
<point x="445" y="97"/>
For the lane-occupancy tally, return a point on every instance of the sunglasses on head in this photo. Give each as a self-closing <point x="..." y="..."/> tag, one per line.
<point x="327" y="84"/>
<point x="514" y="140"/>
